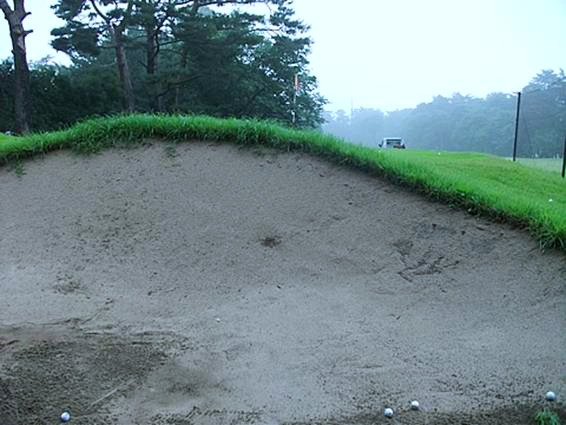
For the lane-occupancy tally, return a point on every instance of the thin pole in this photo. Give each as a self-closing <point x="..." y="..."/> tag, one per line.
<point x="294" y="112"/>
<point x="295" y="90"/>
<point x="516" y="126"/>
<point x="564" y="158"/>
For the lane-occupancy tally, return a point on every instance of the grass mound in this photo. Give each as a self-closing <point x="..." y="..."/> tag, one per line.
<point x="482" y="184"/>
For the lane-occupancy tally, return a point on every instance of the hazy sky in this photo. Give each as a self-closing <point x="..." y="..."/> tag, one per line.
<point x="392" y="54"/>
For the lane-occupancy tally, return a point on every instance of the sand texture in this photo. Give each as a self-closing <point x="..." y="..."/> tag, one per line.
<point x="214" y="284"/>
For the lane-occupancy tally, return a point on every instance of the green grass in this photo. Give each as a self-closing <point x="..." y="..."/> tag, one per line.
<point x="547" y="417"/>
<point x="4" y="137"/>
<point x="482" y="184"/>
<point x="548" y="164"/>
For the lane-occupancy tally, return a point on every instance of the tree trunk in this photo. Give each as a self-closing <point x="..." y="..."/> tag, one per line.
<point x="128" y="99"/>
<point x="152" y="49"/>
<point x="117" y="33"/>
<point x="22" y="75"/>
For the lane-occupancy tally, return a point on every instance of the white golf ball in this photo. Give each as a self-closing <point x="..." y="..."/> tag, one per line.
<point x="415" y="405"/>
<point x="388" y="412"/>
<point x="65" y="417"/>
<point x="550" y="396"/>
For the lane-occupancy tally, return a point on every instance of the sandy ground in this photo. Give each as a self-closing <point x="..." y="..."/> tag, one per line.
<point x="211" y="284"/>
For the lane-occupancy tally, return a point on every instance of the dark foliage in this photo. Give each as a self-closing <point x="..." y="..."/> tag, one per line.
<point x="178" y="58"/>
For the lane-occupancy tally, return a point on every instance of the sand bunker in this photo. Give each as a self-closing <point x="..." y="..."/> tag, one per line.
<point x="212" y="284"/>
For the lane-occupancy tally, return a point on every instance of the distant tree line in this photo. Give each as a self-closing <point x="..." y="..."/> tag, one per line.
<point x="216" y="57"/>
<point x="466" y="123"/>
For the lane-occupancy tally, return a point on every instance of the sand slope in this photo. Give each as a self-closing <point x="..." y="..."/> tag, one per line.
<point x="211" y="284"/>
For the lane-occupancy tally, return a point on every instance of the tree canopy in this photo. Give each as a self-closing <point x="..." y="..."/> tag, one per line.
<point x="224" y="58"/>
<point x="240" y="58"/>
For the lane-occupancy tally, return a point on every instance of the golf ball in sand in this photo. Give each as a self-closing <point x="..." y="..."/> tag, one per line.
<point x="388" y="412"/>
<point x="65" y="417"/>
<point x="550" y="396"/>
<point x="415" y="405"/>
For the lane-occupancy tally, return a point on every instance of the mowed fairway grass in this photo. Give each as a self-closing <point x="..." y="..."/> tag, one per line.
<point x="548" y="164"/>
<point x="481" y="184"/>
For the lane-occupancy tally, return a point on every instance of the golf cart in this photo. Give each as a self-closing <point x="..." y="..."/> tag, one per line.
<point x="392" y="142"/>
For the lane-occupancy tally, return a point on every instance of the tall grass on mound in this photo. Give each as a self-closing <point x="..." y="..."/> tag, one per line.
<point x="4" y="137"/>
<point x="547" y="417"/>
<point x="480" y="183"/>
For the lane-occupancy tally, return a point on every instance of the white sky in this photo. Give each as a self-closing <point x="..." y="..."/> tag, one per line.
<point x="392" y="54"/>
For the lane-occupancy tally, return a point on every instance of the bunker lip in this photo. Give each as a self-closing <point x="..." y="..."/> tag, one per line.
<point x="244" y="285"/>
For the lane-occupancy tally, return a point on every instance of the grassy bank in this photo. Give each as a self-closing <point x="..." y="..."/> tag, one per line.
<point x="479" y="183"/>
<point x="4" y="137"/>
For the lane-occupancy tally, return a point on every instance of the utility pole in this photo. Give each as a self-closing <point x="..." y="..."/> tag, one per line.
<point x="297" y="89"/>
<point x="564" y="158"/>
<point x="516" y="126"/>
